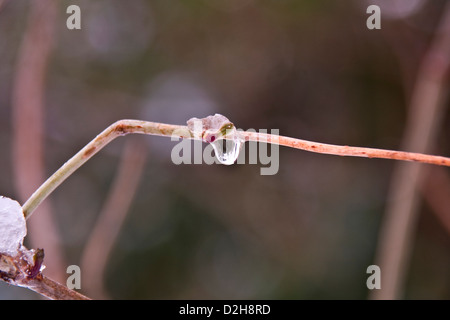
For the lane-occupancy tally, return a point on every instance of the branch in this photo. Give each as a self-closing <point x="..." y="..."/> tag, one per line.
<point x="53" y="290"/>
<point x="124" y="127"/>
<point x="24" y="270"/>
<point x="115" y="130"/>
<point x="346" y="150"/>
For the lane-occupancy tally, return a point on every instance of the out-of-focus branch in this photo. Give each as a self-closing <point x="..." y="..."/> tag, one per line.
<point x="426" y="109"/>
<point x="28" y="123"/>
<point x="2" y="3"/>
<point x="110" y="220"/>
<point x="436" y="190"/>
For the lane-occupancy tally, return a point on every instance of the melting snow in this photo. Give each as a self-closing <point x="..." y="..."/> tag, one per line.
<point x="13" y="227"/>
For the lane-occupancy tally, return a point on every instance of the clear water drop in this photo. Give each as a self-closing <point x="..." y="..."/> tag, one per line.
<point x="227" y="150"/>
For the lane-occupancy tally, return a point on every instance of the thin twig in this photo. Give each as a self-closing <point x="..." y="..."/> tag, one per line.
<point x="124" y="127"/>
<point x="115" y="130"/>
<point x="346" y="150"/>
<point x="53" y="290"/>
<point x="24" y="270"/>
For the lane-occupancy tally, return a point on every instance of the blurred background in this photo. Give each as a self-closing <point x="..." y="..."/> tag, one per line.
<point x="141" y="227"/>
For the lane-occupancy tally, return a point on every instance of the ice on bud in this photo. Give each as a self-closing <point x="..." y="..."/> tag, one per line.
<point x="13" y="227"/>
<point x="227" y="150"/>
<point x="220" y="133"/>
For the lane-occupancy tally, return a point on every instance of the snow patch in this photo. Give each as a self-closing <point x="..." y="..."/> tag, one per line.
<point x="13" y="227"/>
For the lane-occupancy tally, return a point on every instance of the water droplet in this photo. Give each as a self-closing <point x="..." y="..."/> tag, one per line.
<point x="227" y="150"/>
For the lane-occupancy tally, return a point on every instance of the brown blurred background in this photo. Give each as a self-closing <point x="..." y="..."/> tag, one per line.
<point x="311" y="69"/>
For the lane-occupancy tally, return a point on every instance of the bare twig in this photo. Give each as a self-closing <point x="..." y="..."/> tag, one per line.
<point x="124" y="127"/>
<point x="346" y="150"/>
<point x="115" y="130"/>
<point x="28" y="123"/>
<point x="106" y="230"/>
<point x="23" y="270"/>
<point x="427" y="104"/>
<point x="53" y="290"/>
